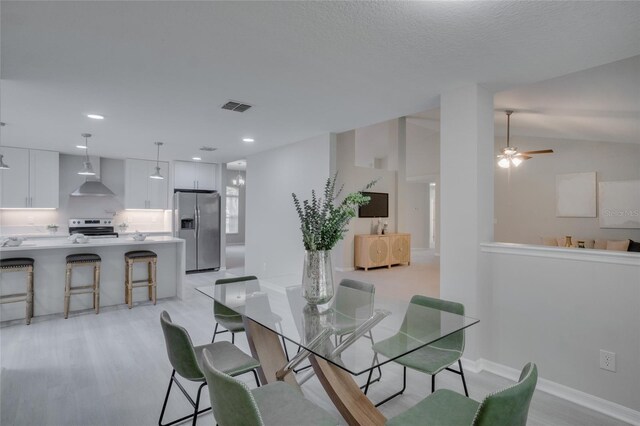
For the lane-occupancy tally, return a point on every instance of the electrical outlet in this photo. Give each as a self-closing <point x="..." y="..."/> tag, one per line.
<point x="30" y="220"/>
<point x="607" y="360"/>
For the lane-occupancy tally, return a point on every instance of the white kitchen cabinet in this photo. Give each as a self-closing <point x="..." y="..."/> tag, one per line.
<point x="188" y="175"/>
<point x="15" y="181"/>
<point x="142" y="192"/>
<point x="32" y="180"/>
<point x="44" y="181"/>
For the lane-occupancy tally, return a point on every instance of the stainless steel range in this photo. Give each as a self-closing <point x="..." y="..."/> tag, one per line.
<point x="96" y="228"/>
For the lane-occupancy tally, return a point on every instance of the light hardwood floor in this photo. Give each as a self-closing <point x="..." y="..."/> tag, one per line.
<point x="112" y="368"/>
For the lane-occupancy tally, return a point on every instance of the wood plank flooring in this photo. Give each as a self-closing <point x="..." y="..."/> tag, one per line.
<point x="112" y="369"/>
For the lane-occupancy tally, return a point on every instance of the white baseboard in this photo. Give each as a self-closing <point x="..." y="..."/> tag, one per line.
<point x="346" y="269"/>
<point x="584" y="399"/>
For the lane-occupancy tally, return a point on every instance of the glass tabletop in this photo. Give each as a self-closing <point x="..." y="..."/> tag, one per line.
<point x="357" y="330"/>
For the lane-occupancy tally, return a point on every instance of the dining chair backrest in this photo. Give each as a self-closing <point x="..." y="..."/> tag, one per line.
<point x="418" y="321"/>
<point x="180" y="349"/>
<point x="509" y="407"/>
<point x="221" y="310"/>
<point x="231" y="400"/>
<point x="355" y="304"/>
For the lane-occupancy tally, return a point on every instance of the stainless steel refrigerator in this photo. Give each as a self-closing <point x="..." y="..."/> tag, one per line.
<point x="196" y="219"/>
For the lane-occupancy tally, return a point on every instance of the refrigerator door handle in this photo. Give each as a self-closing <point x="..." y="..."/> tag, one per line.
<point x="196" y="214"/>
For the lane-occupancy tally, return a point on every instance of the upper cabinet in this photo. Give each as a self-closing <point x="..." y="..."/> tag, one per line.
<point x="188" y="175"/>
<point x="32" y="181"/>
<point x="142" y="192"/>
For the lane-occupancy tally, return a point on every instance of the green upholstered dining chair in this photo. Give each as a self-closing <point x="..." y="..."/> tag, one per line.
<point x="186" y="360"/>
<point x="278" y="404"/>
<point x="432" y="358"/>
<point x="352" y="305"/>
<point x="508" y="407"/>
<point x="225" y="317"/>
<point x="230" y="319"/>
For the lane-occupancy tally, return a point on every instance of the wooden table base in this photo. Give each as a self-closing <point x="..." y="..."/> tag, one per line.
<point x="343" y="391"/>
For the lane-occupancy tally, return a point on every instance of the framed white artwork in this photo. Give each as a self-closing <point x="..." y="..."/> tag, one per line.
<point x="576" y="195"/>
<point x="619" y="204"/>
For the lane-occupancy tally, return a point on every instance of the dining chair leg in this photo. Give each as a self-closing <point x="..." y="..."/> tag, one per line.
<point x="195" y="404"/>
<point x="404" y="386"/>
<point x="433" y="383"/>
<point x="460" y="372"/>
<point x="464" y="382"/>
<point x="255" y="374"/>
<point x="233" y="338"/>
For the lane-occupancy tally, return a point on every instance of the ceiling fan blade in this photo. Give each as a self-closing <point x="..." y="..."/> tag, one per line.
<point x="542" y="151"/>
<point x="524" y="157"/>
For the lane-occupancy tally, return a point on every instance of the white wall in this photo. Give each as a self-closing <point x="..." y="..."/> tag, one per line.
<point x="559" y="312"/>
<point x="525" y="198"/>
<point x="273" y="239"/>
<point x="376" y="146"/>
<point x="423" y="153"/>
<point x="355" y="178"/>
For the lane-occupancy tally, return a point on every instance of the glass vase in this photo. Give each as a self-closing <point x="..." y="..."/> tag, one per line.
<point x="317" y="277"/>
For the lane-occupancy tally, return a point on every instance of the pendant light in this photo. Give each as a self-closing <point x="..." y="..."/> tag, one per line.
<point x="156" y="174"/>
<point x="87" y="167"/>
<point x="3" y="165"/>
<point x="238" y="181"/>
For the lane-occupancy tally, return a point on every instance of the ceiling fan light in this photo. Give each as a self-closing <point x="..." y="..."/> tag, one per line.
<point x="503" y="162"/>
<point x="510" y="150"/>
<point x="516" y="161"/>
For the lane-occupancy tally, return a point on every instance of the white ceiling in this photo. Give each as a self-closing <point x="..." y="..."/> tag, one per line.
<point x="161" y="70"/>
<point x="597" y="104"/>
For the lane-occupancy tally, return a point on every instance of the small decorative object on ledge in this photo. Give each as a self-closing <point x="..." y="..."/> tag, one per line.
<point x="323" y="224"/>
<point x="567" y="241"/>
<point x="53" y="228"/>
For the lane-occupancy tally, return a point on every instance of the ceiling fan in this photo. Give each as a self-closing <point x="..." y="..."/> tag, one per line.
<point x="510" y="155"/>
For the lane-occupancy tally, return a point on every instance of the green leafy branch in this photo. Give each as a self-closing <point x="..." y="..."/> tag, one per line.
<point x="323" y="222"/>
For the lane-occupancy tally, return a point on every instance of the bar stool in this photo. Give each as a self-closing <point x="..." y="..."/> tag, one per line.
<point x="140" y="256"/>
<point x="18" y="264"/>
<point x="77" y="260"/>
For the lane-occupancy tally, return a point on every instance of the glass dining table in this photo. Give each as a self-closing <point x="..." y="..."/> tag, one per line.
<point x="354" y="334"/>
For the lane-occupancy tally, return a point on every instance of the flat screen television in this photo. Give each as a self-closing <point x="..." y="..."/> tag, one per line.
<point x="377" y="207"/>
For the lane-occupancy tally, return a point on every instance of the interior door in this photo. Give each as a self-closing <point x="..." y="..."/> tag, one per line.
<point x="208" y="230"/>
<point x="186" y="226"/>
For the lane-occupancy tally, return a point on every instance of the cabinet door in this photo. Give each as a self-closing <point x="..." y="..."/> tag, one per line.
<point x="400" y="248"/>
<point x="206" y="176"/>
<point x="15" y="181"/>
<point x="158" y="187"/>
<point x="44" y="182"/>
<point x="136" y="184"/>
<point x="379" y="252"/>
<point x="184" y="175"/>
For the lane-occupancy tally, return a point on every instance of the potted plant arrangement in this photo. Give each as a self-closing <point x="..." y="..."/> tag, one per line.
<point x="323" y="222"/>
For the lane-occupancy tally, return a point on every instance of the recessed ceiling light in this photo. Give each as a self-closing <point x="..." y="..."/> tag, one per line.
<point x="248" y="140"/>
<point x="81" y="146"/>
<point x="196" y="158"/>
<point x="96" y="116"/>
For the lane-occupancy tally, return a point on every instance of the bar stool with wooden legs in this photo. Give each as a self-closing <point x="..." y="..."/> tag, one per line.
<point x="140" y="256"/>
<point x="79" y="260"/>
<point x="18" y="264"/>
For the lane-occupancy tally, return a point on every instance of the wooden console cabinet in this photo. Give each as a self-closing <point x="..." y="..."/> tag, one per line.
<point x="382" y="250"/>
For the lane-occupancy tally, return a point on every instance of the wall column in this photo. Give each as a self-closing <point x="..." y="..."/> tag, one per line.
<point x="466" y="204"/>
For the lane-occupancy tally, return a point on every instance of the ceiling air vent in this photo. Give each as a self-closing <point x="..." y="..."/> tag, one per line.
<point x="236" y="106"/>
<point x="207" y="148"/>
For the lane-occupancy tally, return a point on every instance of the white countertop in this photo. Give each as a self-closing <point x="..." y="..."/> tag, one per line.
<point x="58" y="235"/>
<point x="62" y="243"/>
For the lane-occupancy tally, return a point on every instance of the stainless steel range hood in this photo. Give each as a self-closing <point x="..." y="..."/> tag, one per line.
<point x="92" y="188"/>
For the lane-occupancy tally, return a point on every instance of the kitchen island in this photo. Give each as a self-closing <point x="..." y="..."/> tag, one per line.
<point x="49" y="273"/>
